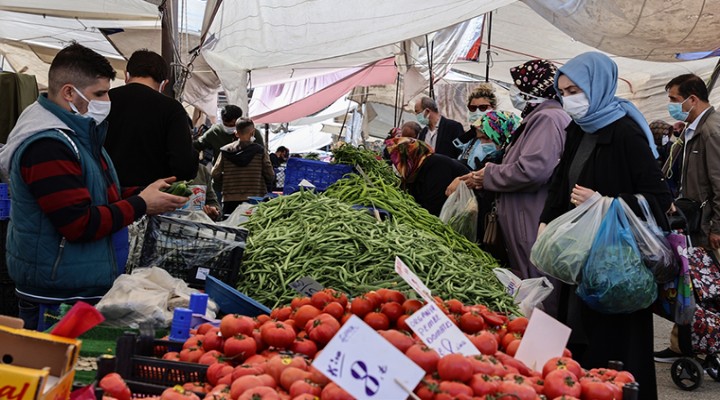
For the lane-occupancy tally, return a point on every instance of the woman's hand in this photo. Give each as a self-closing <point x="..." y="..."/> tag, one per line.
<point x="452" y="187"/>
<point x="541" y="228"/>
<point x="474" y="180"/>
<point x="580" y="195"/>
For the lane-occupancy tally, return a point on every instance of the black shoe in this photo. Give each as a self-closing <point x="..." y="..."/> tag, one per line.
<point x="667" y="356"/>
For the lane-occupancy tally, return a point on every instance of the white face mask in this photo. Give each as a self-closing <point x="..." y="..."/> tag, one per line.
<point x="229" y="129"/>
<point x="97" y="109"/>
<point x="576" y="105"/>
<point x="475" y="115"/>
<point x="520" y="100"/>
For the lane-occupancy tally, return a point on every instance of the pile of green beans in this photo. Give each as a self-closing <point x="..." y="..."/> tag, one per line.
<point x="307" y="234"/>
<point x="369" y="161"/>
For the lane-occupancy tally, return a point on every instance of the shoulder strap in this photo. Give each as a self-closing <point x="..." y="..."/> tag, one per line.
<point x="587" y="145"/>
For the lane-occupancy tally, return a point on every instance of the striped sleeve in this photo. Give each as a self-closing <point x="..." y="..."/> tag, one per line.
<point x="54" y="176"/>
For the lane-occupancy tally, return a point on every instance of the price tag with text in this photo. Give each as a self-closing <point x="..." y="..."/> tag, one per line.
<point x="306" y="286"/>
<point x="436" y="330"/>
<point x="413" y="280"/>
<point x="366" y="365"/>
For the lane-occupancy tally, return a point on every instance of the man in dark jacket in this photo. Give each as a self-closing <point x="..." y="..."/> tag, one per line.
<point x="148" y="135"/>
<point x="439" y="132"/>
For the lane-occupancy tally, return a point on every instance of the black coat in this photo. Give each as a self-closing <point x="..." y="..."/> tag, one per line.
<point x="431" y="180"/>
<point x="448" y="130"/>
<point x="621" y="164"/>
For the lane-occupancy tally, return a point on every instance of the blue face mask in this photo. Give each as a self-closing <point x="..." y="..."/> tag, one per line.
<point x="487" y="148"/>
<point x="421" y="118"/>
<point x="675" y="110"/>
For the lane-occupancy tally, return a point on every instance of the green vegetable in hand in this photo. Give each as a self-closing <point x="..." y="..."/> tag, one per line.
<point x="178" y="189"/>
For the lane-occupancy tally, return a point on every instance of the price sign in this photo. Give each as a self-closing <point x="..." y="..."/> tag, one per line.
<point x="306" y="286"/>
<point x="413" y="280"/>
<point x="366" y="365"/>
<point x="436" y="330"/>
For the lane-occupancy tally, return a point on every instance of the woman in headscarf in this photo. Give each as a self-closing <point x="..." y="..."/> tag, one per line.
<point x="492" y="132"/>
<point x="424" y="174"/>
<point x="609" y="150"/>
<point x="521" y="180"/>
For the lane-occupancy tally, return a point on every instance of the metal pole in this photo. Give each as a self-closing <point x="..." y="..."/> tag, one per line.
<point x="713" y="77"/>
<point x="487" y="53"/>
<point x="430" y="67"/>
<point x="267" y="136"/>
<point x="169" y="11"/>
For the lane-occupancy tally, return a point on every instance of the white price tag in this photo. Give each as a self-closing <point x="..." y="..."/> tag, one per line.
<point x="436" y="330"/>
<point x="413" y="280"/>
<point x="544" y="338"/>
<point x="202" y="273"/>
<point x="366" y="365"/>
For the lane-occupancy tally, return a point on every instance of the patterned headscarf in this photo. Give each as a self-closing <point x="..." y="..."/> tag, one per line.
<point x="498" y="126"/>
<point x="535" y="77"/>
<point x="407" y="155"/>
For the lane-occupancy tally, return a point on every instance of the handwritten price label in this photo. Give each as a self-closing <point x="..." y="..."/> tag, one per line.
<point x="366" y="365"/>
<point x="306" y="286"/>
<point x="413" y="280"/>
<point x="439" y="333"/>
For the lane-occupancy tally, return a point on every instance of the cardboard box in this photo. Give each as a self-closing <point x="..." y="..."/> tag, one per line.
<point x="36" y="365"/>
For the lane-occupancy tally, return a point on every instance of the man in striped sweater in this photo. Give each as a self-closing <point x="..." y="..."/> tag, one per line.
<point x="243" y="168"/>
<point x="67" y="203"/>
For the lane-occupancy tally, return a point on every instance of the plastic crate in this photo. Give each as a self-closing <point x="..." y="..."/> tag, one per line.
<point x="191" y="250"/>
<point x="4" y="209"/>
<point x="4" y="192"/>
<point x="319" y="173"/>
<point x="230" y="301"/>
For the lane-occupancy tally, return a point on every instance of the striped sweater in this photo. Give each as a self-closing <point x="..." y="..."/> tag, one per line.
<point x="54" y="176"/>
<point x="244" y="171"/>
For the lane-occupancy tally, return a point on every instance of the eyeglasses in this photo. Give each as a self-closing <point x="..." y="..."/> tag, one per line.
<point x="481" y="107"/>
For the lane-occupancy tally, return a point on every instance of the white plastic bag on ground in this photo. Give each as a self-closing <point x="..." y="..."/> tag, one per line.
<point x="563" y="247"/>
<point x="239" y="216"/>
<point x="528" y="293"/>
<point x="147" y="295"/>
<point x="460" y="211"/>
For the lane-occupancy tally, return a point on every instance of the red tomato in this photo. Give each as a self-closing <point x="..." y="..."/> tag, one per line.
<point x="401" y="323"/>
<point x="178" y="393"/>
<point x="425" y="357"/>
<point x="392" y="310"/>
<point x="518" y="325"/>
<point x="322" y="328"/>
<point x="375" y="299"/>
<point x="483" y="384"/>
<point x="508" y="338"/>
<point x="304" y="387"/>
<point x="277" y="364"/>
<point x="217" y="371"/>
<point x="471" y="322"/>
<point x="482" y="365"/>
<point x="281" y="314"/>
<point x="512" y="390"/>
<point x="260" y="393"/>
<point x="304" y="346"/>
<point x="334" y="392"/>
<point x="411" y="305"/>
<point x="210" y="357"/>
<point x="243" y="383"/>
<point x="454" y="306"/>
<point x="512" y="347"/>
<point x="233" y="324"/>
<point x="561" y="382"/>
<point x="277" y="334"/>
<point x="192" y="354"/>
<point x="306" y="396"/>
<point x="455" y="389"/>
<point x="194" y="341"/>
<point x="605" y="374"/>
<point x="428" y="388"/>
<point x="596" y="390"/>
<point x="335" y="309"/>
<point x="361" y="305"/>
<point x="171" y="355"/>
<point x="391" y="295"/>
<point x="377" y="321"/>
<point x="492" y="318"/>
<point x="246" y="369"/>
<point x="291" y="375"/>
<point x="514" y="363"/>
<point x="562" y="363"/>
<point x="455" y="367"/>
<point x="213" y="341"/>
<point x="114" y="386"/>
<point x="398" y="339"/>
<point x="240" y="347"/>
<point x="304" y="314"/>
<point x="197" y="387"/>
<point x="338" y="297"/>
<point x="203" y="328"/>
<point x="321" y="299"/>
<point x="485" y="342"/>
<point x="624" y="377"/>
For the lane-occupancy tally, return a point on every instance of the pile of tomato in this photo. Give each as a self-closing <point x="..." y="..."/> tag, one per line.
<point x="269" y="357"/>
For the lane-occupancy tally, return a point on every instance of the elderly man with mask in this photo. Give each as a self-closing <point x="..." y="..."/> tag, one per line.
<point x="438" y="132"/>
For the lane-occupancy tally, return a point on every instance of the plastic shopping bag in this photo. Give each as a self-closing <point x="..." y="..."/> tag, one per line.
<point x="460" y="211"/>
<point x="654" y="248"/>
<point x="528" y="293"/>
<point x="563" y="247"/>
<point x="614" y="278"/>
<point x="676" y="301"/>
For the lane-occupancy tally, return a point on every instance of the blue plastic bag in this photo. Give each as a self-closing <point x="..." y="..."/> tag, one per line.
<point x="614" y="279"/>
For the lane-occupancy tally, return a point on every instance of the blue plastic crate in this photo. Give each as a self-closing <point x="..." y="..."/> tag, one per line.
<point x="319" y="173"/>
<point x="230" y="301"/>
<point x="4" y="193"/>
<point x="4" y="209"/>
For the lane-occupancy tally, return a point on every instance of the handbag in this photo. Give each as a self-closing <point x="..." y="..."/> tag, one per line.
<point x="692" y="210"/>
<point x="491" y="236"/>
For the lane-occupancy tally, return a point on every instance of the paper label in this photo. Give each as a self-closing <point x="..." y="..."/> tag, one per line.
<point x="436" y="330"/>
<point x="413" y="280"/>
<point x="366" y="365"/>
<point x="202" y="273"/>
<point x="544" y="338"/>
<point x="306" y="286"/>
